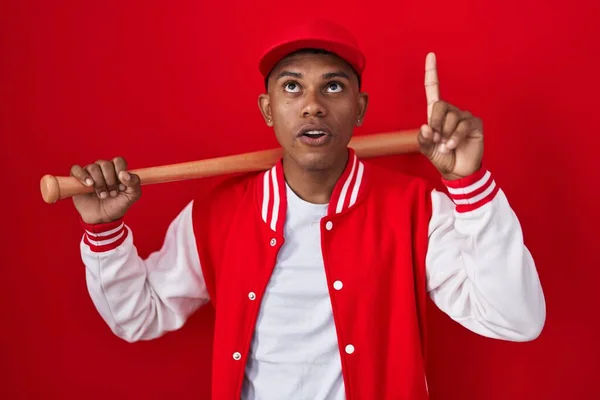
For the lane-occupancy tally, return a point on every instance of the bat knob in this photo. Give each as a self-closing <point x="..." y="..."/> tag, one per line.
<point x="50" y="189"/>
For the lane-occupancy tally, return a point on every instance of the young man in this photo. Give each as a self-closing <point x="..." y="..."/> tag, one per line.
<point x="319" y="269"/>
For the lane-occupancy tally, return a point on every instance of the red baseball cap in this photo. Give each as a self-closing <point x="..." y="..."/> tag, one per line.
<point x="316" y="34"/>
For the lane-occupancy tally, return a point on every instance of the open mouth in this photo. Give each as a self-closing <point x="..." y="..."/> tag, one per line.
<point x="314" y="134"/>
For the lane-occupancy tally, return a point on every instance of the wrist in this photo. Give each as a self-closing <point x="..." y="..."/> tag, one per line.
<point x="99" y="226"/>
<point x="93" y="222"/>
<point x="95" y="219"/>
<point x="449" y="177"/>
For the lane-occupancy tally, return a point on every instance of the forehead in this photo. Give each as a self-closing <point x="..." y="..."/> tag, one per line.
<point x="307" y="61"/>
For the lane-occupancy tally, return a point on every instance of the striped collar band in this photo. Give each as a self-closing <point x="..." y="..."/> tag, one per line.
<point x="273" y="200"/>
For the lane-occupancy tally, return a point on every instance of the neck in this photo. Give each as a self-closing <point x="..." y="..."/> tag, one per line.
<point x="314" y="185"/>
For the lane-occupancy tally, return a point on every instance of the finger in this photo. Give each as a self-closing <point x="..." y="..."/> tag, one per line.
<point x="110" y="176"/>
<point x="460" y="133"/>
<point x="450" y="123"/>
<point x="132" y="184"/>
<point x="432" y="84"/>
<point x="97" y="176"/>
<point x="81" y="174"/>
<point x="476" y="128"/>
<point x="425" y="139"/>
<point x="120" y="165"/>
<point x="130" y="180"/>
<point x="438" y="116"/>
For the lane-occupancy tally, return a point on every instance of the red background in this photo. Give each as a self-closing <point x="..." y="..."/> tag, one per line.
<point x="162" y="83"/>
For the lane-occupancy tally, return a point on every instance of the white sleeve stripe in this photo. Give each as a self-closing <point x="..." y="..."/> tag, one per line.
<point x="107" y="233"/>
<point x="479" y="197"/>
<point x="107" y="241"/>
<point x="472" y="187"/>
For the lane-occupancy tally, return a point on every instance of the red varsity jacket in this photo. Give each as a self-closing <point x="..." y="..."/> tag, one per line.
<point x="388" y="242"/>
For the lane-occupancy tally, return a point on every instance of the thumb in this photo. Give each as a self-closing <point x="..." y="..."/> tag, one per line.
<point x="426" y="141"/>
<point x="133" y="187"/>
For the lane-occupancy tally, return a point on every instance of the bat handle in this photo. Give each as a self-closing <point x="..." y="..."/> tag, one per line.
<point x="56" y="188"/>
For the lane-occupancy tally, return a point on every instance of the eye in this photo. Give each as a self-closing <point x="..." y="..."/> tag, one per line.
<point x="292" y="87"/>
<point x="335" y="87"/>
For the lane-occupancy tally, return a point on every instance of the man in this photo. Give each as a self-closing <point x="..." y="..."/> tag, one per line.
<point x="319" y="268"/>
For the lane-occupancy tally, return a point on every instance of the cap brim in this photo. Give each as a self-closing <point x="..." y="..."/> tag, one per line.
<point x="351" y="55"/>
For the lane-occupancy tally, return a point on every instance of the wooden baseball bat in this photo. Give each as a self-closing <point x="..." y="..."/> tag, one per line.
<point x="56" y="188"/>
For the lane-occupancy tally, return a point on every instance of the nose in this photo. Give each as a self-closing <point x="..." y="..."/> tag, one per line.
<point x="313" y="105"/>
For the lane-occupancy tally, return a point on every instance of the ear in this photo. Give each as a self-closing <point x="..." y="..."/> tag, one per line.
<point x="363" y="102"/>
<point x="264" y="104"/>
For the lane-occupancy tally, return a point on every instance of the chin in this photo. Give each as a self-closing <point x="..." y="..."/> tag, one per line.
<point x="316" y="161"/>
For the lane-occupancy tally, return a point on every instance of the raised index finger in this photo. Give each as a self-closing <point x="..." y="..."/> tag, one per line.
<point x="432" y="84"/>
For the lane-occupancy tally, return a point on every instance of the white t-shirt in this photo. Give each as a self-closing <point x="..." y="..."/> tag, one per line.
<point x="294" y="352"/>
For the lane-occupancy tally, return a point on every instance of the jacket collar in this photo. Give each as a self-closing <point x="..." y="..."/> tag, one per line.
<point x="271" y="192"/>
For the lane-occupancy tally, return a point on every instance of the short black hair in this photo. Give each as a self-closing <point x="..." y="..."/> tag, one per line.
<point x="315" y="51"/>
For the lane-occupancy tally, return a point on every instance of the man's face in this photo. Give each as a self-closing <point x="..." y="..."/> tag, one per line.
<point x="313" y="103"/>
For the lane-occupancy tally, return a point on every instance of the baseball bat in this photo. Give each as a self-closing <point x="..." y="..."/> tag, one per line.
<point x="56" y="188"/>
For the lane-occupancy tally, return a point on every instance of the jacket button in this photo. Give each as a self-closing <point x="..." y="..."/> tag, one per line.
<point x="252" y="295"/>
<point x="338" y="285"/>
<point x="329" y="225"/>
<point x="273" y="242"/>
<point x="349" y="349"/>
<point x="237" y="356"/>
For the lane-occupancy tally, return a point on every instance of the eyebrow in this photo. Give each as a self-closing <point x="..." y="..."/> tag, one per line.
<point x="329" y="75"/>
<point x="338" y="74"/>
<point x="289" y="73"/>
